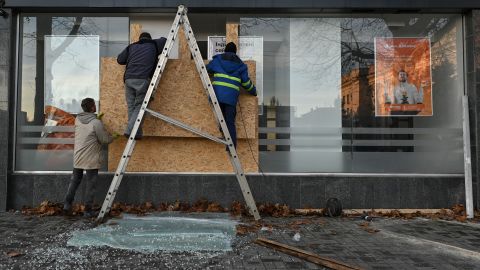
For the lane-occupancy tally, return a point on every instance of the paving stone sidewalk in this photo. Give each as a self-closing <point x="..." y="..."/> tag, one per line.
<point x="380" y="244"/>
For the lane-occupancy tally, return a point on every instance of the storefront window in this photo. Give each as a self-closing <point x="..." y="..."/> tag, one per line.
<point x="335" y="101"/>
<point x="340" y="94"/>
<point x="59" y="66"/>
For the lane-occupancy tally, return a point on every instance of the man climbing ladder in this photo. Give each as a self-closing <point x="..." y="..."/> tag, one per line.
<point x="180" y="19"/>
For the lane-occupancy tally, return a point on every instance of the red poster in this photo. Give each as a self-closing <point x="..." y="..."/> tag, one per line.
<point x="403" y="77"/>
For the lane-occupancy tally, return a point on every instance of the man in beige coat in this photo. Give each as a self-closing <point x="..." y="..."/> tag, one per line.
<point x="89" y="137"/>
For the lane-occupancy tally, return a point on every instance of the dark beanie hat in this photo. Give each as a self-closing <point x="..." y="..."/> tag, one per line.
<point x="145" y="35"/>
<point x="231" y="47"/>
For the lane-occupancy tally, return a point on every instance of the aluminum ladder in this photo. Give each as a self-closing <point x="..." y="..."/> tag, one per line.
<point x="180" y="19"/>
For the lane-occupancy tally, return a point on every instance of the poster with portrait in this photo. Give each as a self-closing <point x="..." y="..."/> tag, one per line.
<point x="403" y="77"/>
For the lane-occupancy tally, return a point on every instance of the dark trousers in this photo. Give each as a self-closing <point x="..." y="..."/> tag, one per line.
<point x="135" y="92"/>
<point x="229" y="113"/>
<point x="91" y="179"/>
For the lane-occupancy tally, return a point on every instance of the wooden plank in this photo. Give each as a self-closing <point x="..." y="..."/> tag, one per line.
<point x="306" y="255"/>
<point x="163" y="154"/>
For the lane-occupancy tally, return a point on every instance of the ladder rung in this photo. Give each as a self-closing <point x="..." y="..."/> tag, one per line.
<point x="185" y="126"/>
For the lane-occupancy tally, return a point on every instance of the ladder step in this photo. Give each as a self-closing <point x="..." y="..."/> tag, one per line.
<point x="185" y="126"/>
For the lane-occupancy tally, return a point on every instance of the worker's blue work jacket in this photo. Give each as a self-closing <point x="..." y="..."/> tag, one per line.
<point x="229" y="73"/>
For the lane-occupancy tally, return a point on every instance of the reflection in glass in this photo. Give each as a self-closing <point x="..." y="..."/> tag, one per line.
<point x="75" y="63"/>
<point x="320" y="81"/>
<point x="59" y="67"/>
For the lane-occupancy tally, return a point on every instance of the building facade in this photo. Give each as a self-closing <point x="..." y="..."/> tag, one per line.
<point x="337" y="118"/>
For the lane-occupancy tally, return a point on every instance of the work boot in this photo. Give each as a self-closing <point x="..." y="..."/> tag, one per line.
<point x="67" y="208"/>
<point x="89" y="214"/>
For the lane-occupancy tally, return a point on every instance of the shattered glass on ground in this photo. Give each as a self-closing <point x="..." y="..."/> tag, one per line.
<point x="383" y="243"/>
<point x="161" y="231"/>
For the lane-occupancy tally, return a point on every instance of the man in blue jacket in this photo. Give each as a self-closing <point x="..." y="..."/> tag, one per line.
<point x="229" y="73"/>
<point x="140" y="59"/>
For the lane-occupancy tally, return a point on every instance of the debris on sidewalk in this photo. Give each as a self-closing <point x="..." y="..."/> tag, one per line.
<point x="13" y="254"/>
<point x="457" y="213"/>
<point x="366" y="227"/>
<point x="46" y="208"/>
<point x="43" y="243"/>
<point x="180" y="232"/>
<point x="306" y="255"/>
<point x="296" y="237"/>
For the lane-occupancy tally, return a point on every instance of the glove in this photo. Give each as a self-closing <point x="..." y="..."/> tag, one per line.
<point x="100" y="115"/>
<point x="115" y="135"/>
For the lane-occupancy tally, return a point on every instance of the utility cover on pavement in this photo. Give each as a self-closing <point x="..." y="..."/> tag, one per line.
<point x="162" y="231"/>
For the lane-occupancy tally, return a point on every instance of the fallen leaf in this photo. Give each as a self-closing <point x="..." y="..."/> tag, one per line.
<point x="244" y="229"/>
<point x="301" y="222"/>
<point x="13" y="254"/>
<point x="371" y="230"/>
<point x="364" y="224"/>
<point x="461" y="218"/>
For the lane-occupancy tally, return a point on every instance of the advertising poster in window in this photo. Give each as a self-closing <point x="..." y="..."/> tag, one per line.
<point x="403" y="77"/>
<point x="251" y="48"/>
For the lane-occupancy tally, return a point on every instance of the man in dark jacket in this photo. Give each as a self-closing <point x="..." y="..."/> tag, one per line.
<point x="89" y="137"/>
<point x="229" y="73"/>
<point x="141" y="59"/>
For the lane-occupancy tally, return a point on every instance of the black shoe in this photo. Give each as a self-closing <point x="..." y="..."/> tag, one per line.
<point x="89" y="214"/>
<point x="67" y="208"/>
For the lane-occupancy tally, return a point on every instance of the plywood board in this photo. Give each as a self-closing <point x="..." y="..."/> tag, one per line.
<point x="183" y="48"/>
<point x="135" y="31"/>
<point x="180" y="96"/>
<point x="157" y="154"/>
<point x="232" y="33"/>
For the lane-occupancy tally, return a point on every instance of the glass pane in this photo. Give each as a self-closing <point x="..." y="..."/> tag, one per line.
<point x="319" y="88"/>
<point x="75" y="62"/>
<point x="59" y="66"/>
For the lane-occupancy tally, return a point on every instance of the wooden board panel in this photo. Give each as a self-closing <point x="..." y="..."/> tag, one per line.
<point x="135" y="31"/>
<point x="162" y="154"/>
<point x="183" y="48"/>
<point x="180" y="96"/>
<point x="232" y="33"/>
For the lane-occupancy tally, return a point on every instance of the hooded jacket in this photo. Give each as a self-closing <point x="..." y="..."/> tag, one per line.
<point x="141" y="58"/>
<point x="89" y="137"/>
<point x="229" y="73"/>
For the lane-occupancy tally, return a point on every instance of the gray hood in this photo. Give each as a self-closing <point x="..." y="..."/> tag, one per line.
<point x="86" y="117"/>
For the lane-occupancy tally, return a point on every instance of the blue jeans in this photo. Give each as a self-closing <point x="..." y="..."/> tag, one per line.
<point x="135" y="91"/>
<point x="229" y="113"/>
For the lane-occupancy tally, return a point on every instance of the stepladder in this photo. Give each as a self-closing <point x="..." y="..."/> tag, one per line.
<point x="181" y="19"/>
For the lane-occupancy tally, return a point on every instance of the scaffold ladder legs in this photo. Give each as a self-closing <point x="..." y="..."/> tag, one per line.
<point x="180" y="19"/>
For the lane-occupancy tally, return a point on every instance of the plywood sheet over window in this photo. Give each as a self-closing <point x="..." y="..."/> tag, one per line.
<point x="179" y="95"/>
<point x="166" y="154"/>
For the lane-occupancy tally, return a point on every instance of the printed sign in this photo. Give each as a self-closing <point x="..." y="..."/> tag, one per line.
<point x="403" y="77"/>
